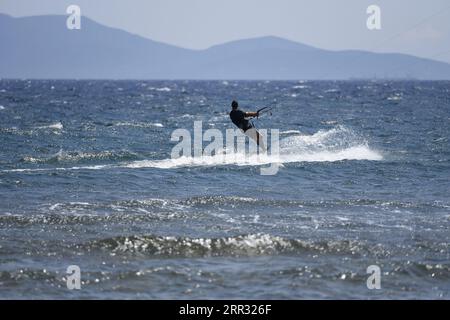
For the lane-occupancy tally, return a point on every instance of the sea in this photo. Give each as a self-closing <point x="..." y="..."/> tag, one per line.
<point x="94" y="205"/>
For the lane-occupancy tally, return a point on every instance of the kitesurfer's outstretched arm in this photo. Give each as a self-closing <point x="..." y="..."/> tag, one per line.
<point x="251" y="114"/>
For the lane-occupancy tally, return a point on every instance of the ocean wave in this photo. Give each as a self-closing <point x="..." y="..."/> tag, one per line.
<point x="37" y="170"/>
<point x="393" y="271"/>
<point x="29" y="274"/>
<point x="136" y="210"/>
<point x="329" y="122"/>
<point x="395" y="97"/>
<point x="300" y="87"/>
<point x="162" y="89"/>
<point x="79" y="156"/>
<point x="80" y="216"/>
<point x="337" y="144"/>
<point x="56" y="126"/>
<point x="123" y="211"/>
<point x="215" y="200"/>
<point x="284" y="203"/>
<point x="291" y="132"/>
<point x="140" y="124"/>
<point x="241" y="245"/>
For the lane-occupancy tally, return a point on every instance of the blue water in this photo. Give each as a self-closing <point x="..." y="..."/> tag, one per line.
<point x="87" y="179"/>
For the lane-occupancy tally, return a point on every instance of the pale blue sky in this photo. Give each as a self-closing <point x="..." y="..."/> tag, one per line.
<point x="416" y="27"/>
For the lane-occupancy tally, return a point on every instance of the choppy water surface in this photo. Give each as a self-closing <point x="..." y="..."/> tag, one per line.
<point x="86" y="178"/>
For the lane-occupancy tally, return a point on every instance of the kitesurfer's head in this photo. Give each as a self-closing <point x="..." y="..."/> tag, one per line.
<point x="234" y="105"/>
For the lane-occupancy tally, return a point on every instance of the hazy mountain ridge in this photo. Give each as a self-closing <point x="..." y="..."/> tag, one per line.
<point x="42" y="47"/>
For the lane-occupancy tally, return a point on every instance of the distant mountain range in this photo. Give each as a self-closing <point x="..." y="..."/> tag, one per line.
<point x="42" y="47"/>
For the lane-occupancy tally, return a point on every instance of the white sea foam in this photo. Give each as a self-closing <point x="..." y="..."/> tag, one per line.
<point x="139" y="124"/>
<point x="300" y="87"/>
<point x="97" y="167"/>
<point x="57" y="126"/>
<point x="395" y="98"/>
<point x="240" y="159"/>
<point x="337" y="144"/>
<point x="163" y="89"/>
<point x="329" y="122"/>
<point x="290" y="132"/>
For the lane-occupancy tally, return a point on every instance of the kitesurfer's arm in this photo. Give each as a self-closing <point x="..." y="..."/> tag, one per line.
<point x="251" y="114"/>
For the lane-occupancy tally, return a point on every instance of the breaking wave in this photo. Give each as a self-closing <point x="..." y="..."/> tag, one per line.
<point x="78" y="156"/>
<point x="140" y="124"/>
<point x="60" y="213"/>
<point x="241" y="245"/>
<point x="337" y="144"/>
<point x="56" y="126"/>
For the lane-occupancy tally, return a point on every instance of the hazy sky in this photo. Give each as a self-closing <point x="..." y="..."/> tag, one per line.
<point x="416" y="27"/>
